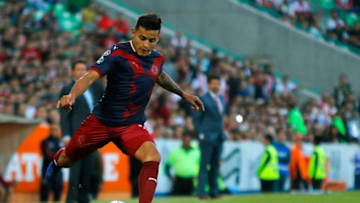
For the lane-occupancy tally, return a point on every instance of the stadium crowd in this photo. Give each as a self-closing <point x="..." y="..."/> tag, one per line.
<point x="333" y="20"/>
<point x="40" y="39"/>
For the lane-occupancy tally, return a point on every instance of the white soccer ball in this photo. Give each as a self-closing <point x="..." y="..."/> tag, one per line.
<point x="117" y="201"/>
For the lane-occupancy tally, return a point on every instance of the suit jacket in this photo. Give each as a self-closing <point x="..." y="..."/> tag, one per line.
<point x="209" y="123"/>
<point x="70" y="121"/>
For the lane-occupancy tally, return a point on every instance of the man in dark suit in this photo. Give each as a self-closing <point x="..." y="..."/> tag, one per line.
<point x="81" y="179"/>
<point x="209" y="125"/>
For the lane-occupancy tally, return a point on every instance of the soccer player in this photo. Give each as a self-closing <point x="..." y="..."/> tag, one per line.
<point x="132" y="69"/>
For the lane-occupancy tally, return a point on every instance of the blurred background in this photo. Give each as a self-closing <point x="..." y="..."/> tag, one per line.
<point x="288" y="68"/>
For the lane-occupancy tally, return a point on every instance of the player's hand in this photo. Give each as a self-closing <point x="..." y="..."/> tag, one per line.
<point x="66" y="102"/>
<point x="195" y="102"/>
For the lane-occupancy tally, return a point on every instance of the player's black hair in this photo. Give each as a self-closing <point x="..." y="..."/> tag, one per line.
<point x="212" y="77"/>
<point x="149" y="21"/>
<point x="77" y="62"/>
<point x="269" y="138"/>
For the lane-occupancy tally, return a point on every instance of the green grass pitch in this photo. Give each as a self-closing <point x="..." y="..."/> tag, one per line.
<point x="335" y="197"/>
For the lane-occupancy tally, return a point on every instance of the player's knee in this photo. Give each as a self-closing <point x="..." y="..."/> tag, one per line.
<point x="153" y="156"/>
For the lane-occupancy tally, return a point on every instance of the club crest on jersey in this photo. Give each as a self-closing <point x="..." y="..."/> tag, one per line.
<point x="154" y="69"/>
<point x="101" y="59"/>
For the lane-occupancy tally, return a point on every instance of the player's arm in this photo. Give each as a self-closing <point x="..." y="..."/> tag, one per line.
<point x="167" y="83"/>
<point x="79" y="87"/>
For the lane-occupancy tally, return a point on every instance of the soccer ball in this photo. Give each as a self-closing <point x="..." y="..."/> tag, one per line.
<point x="117" y="201"/>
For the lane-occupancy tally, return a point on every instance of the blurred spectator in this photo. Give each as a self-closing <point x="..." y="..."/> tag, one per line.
<point x="105" y="22"/>
<point x="344" y="4"/>
<point x="161" y="110"/>
<point x="317" y="166"/>
<point x="296" y="120"/>
<point x="30" y="52"/>
<point x="184" y="161"/>
<point x="354" y="34"/>
<point x="298" y="167"/>
<point x="49" y="147"/>
<point x="335" y="25"/>
<point x="5" y="189"/>
<point x="335" y="136"/>
<point x="179" y="41"/>
<point x="342" y="91"/>
<point x="301" y="8"/>
<point x="268" y="170"/>
<point x="315" y="28"/>
<point x="89" y="14"/>
<point x="122" y="26"/>
<point x="357" y="171"/>
<point x="199" y="80"/>
<point x="285" y="86"/>
<point x="283" y="152"/>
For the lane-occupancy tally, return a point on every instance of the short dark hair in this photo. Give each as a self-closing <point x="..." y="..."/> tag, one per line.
<point x="269" y="138"/>
<point x="77" y="62"/>
<point x="317" y="140"/>
<point x="189" y="133"/>
<point x="212" y="77"/>
<point x="149" y="21"/>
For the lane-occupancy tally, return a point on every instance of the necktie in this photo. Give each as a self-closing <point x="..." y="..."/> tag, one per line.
<point x="218" y="104"/>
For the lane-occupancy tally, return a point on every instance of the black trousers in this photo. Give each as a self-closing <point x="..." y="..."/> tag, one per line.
<point x="316" y="184"/>
<point x="183" y="186"/>
<point x="357" y="182"/>
<point x="79" y="181"/>
<point x="281" y="183"/>
<point x="299" y="184"/>
<point x="268" y="185"/>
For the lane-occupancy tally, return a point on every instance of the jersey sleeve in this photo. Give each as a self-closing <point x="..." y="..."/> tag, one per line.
<point x="104" y="64"/>
<point x="161" y="65"/>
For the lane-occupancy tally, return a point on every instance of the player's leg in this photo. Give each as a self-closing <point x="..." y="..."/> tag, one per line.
<point x="206" y="149"/>
<point x="90" y="136"/>
<point x="137" y="142"/>
<point x="150" y="157"/>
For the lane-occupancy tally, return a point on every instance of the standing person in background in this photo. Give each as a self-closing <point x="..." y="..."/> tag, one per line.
<point x="210" y="129"/>
<point x="298" y="169"/>
<point x="317" y="167"/>
<point x="357" y="171"/>
<point x="268" y="170"/>
<point x="96" y="176"/>
<point x="80" y="176"/>
<point x="342" y="91"/>
<point x="5" y="188"/>
<point x="185" y="161"/>
<point x="284" y="159"/>
<point x="49" y="147"/>
<point x="135" y="168"/>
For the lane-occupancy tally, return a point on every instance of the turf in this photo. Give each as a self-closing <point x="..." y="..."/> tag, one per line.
<point x="344" y="197"/>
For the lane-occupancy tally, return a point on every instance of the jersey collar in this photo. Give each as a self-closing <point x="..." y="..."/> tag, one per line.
<point x="132" y="46"/>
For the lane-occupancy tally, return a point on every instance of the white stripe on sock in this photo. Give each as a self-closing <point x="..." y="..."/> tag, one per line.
<point x="153" y="179"/>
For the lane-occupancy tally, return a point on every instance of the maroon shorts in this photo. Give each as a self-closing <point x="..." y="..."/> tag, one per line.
<point x="92" y="134"/>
